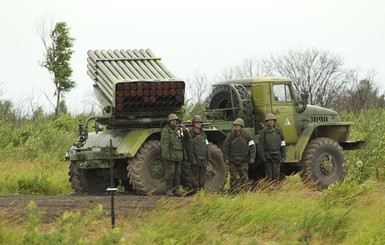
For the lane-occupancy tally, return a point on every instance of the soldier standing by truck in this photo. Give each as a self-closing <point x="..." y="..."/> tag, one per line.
<point x="200" y="155"/>
<point x="271" y="147"/>
<point x="238" y="151"/>
<point x="172" y="153"/>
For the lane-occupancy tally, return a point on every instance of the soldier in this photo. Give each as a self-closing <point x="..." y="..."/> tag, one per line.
<point x="172" y="154"/>
<point x="271" y="147"/>
<point x="200" y="153"/>
<point x="238" y="151"/>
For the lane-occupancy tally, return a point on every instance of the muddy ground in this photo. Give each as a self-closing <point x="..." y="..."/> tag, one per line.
<point x="15" y="207"/>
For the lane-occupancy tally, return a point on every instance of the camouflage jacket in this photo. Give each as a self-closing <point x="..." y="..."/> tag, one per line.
<point x="199" y="146"/>
<point x="171" y="143"/>
<point x="239" y="148"/>
<point x="271" y="143"/>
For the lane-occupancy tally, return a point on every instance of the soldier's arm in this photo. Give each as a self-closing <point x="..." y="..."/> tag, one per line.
<point x="207" y="149"/>
<point x="252" y="148"/>
<point x="261" y="145"/>
<point x="189" y="147"/>
<point x="283" y="146"/>
<point x="186" y="134"/>
<point x="165" y="143"/>
<point x="225" y="149"/>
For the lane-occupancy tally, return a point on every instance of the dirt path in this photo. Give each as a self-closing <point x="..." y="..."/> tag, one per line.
<point x="54" y="206"/>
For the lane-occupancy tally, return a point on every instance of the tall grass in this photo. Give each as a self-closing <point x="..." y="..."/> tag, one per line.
<point x="32" y="156"/>
<point x="348" y="213"/>
<point x="287" y="215"/>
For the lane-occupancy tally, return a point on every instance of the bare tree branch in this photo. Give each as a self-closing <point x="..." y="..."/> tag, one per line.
<point x="199" y="87"/>
<point x="320" y="74"/>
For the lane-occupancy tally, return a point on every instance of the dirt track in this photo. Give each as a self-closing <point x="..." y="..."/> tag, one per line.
<point x="53" y="206"/>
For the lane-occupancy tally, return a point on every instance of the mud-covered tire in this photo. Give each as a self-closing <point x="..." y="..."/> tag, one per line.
<point x="216" y="173"/>
<point x="146" y="171"/>
<point x="323" y="163"/>
<point x="92" y="181"/>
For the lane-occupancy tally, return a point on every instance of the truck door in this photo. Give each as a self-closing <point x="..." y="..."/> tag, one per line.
<point x="283" y="106"/>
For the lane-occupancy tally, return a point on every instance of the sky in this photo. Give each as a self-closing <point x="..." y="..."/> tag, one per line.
<point x="190" y="36"/>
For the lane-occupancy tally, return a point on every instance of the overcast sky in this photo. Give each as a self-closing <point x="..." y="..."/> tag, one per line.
<point x="190" y="36"/>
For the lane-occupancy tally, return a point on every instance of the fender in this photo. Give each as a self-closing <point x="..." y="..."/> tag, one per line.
<point x="134" y="140"/>
<point x="126" y="143"/>
<point x="338" y="131"/>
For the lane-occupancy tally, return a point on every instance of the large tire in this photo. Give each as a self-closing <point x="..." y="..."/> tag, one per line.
<point x="246" y="105"/>
<point x="216" y="173"/>
<point x="220" y="98"/>
<point x="146" y="171"/>
<point x="92" y="181"/>
<point x="323" y="163"/>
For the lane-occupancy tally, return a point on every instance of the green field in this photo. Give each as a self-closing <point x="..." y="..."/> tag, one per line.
<point x="348" y="213"/>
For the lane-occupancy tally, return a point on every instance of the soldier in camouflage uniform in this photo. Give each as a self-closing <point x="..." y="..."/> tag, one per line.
<point x="200" y="153"/>
<point x="238" y="151"/>
<point x="172" y="153"/>
<point x="271" y="147"/>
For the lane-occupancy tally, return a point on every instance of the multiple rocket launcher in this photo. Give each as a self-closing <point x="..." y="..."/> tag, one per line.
<point x="149" y="96"/>
<point x="134" y="81"/>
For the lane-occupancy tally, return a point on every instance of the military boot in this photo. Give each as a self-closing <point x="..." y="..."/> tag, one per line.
<point x="192" y="191"/>
<point x="176" y="188"/>
<point x="169" y="188"/>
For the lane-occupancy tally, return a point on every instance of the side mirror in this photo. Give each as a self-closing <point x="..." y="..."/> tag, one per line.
<point x="302" y="102"/>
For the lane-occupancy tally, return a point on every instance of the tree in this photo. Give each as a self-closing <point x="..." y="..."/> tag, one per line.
<point x="363" y="94"/>
<point x="318" y="73"/>
<point x="58" y="52"/>
<point x="248" y="67"/>
<point x="198" y="87"/>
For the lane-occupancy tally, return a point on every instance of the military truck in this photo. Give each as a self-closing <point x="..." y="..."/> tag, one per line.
<point x="137" y="92"/>
<point x="315" y="136"/>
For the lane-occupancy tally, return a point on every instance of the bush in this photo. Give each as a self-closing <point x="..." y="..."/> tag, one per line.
<point x="32" y="185"/>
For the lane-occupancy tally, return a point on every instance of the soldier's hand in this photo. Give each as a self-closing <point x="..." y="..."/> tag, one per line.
<point x="210" y="162"/>
<point x="251" y="161"/>
<point x="194" y="162"/>
<point x="227" y="162"/>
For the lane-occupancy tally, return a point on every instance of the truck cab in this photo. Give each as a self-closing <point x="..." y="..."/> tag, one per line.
<point x="315" y="136"/>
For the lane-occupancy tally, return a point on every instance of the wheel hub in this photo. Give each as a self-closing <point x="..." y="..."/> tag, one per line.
<point x="157" y="169"/>
<point x="327" y="164"/>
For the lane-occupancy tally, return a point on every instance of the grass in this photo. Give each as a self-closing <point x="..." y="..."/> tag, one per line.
<point x="347" y="213"/>
<point x="33" y="178"/>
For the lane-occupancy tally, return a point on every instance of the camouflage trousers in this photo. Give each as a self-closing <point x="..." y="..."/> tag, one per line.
<point x="199" y="173"/>
<point x="238" y="170"/>
<point x="272" y="169"/>
<point x="173" y="172"/>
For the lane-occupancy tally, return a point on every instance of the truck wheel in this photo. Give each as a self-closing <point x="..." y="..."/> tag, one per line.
<point x="216" y="173"/>
<point x="146" y="170"/>
<point x="323" y="162"/>
<point x="220" y="98"/>
<point x="93" y="181"/>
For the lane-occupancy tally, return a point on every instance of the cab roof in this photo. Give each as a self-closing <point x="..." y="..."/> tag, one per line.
<point x="253" y="80"/>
